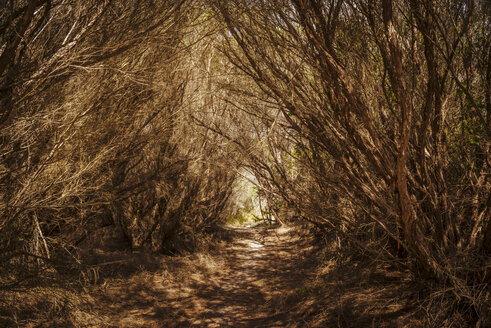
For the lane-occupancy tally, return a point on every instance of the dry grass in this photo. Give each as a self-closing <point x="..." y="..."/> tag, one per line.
<point x="348" y="291"/>
<point x="367" y="121"/>
<point x="105" y="270"/>
<point x="236" y="282"/>
<point x="46" y="306"/>
<point x="259" y="277"/>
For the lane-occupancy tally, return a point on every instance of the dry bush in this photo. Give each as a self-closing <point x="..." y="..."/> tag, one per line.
<point x="369" y="120"/>
<point x="383" y="129"/>
<point x="96" y="131"/>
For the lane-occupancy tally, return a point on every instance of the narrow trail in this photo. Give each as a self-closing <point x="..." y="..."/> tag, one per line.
<point x="242" y="286"/>
<point x="262" y="266"/>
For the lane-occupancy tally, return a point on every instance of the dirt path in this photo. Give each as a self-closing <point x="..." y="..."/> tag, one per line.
<point x="240" y="287"/>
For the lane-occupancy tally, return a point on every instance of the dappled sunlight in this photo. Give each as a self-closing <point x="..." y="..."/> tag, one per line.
<point x="253" y="245"/>
<point x="235" y="288"/>
<point x="261" y="163"/>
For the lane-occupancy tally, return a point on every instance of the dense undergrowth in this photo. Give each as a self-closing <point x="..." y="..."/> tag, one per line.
<point x="367" y="121"/>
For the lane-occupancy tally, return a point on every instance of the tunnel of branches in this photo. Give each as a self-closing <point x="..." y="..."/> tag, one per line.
<point x="363" y="123"/>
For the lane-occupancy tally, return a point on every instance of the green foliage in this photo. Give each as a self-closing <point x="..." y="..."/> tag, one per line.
<point x="473" y="131"/>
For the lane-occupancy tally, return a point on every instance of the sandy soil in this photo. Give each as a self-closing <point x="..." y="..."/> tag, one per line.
<point x="241" y="286"/>
<point x="250" y="277"/>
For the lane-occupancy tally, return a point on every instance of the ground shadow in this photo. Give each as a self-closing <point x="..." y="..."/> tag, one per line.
<point x="259" y="264"/>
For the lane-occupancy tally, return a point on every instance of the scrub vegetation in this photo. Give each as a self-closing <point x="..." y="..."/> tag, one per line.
<point x="133" y="133"/>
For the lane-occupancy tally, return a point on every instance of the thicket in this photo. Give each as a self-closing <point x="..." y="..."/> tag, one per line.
<point x="96" y="104"/>
<point x="374" y="119"/>
<point x="368" y="120"/>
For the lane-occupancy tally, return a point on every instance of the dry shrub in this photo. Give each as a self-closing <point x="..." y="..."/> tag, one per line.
<point x="374" y="128"/>
<point x="370" y="121"/>
<point x="95" y="131"/>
